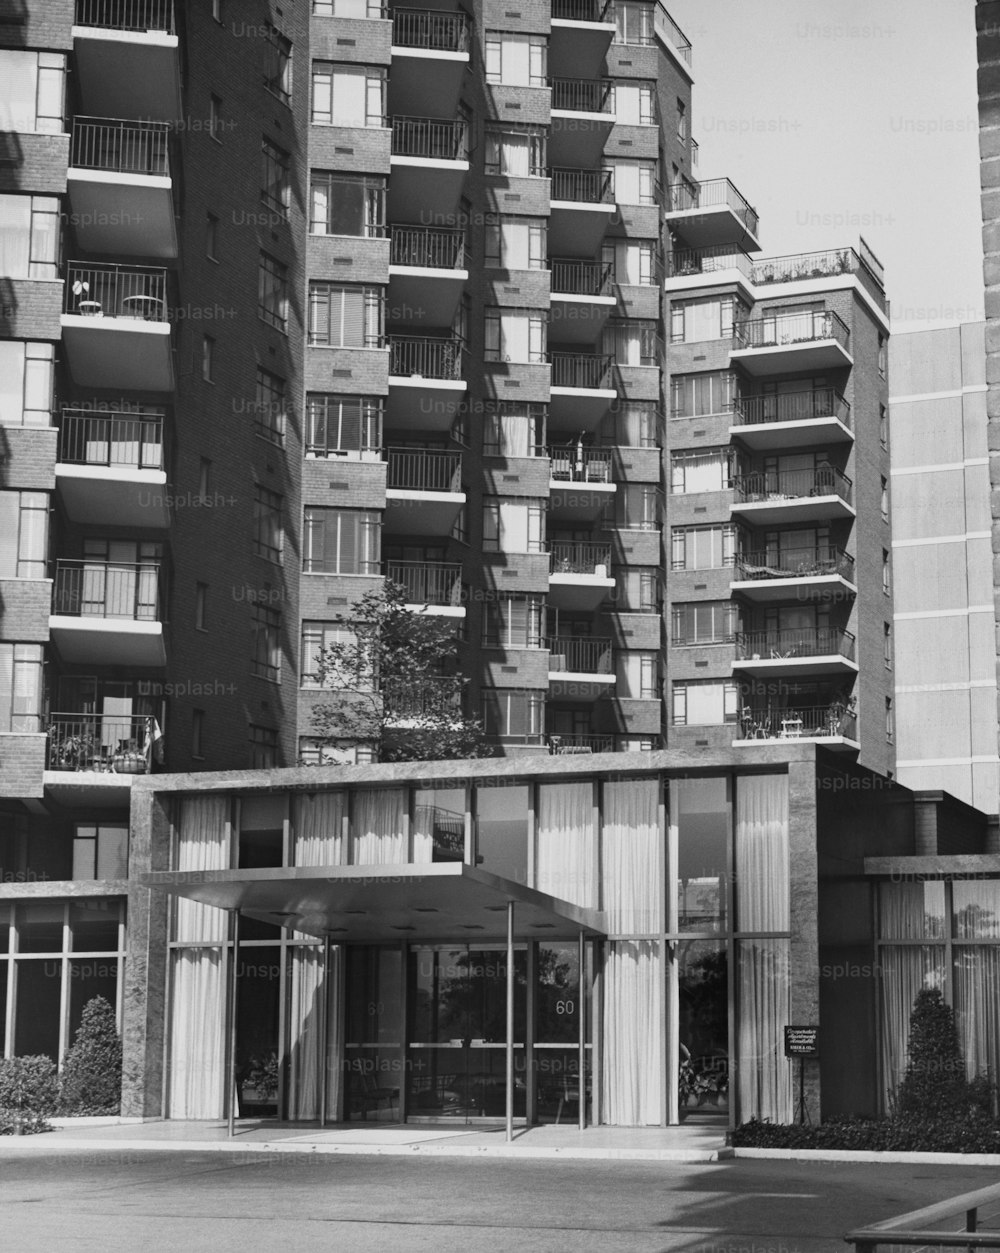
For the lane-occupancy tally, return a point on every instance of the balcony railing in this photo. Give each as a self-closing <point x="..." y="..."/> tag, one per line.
<point x="771" y="485"/>
<point x="580" y="654"/>
<point x="427" y="582"/>
<point x="420" y="356"/>
<point x="781" y="644"/>
<point x="122" y="745"/>
<point x="582" y="278"/>
<point x="116" y="291"/>
<point x="694" y="149"/>
<point x="824" y="402"/>
<point x="580" y="465"/>
<point x="429" y="698"/>
<point x="107" y="589"/>
<point x="584" y="186"/>
<point x="120" y="147"/>
<point x="138" y="15"/>
<point x="571" y="744"/>
<point x="434" y="139"/>
<point x="794" y="563"/>
<point x="428" y="247"/>
<point x="667" y="28"/>
<point x="573" y="557"/>
<point x="424" y="470"/>
<point x="716" y="193"/>
<point x="432" y="29"/>
<point x="791" y="328"/>
<point x="581" y="369"/>
<point x="685" y="261"/>
<point x="111" y="439"/>
<point x="777" y="722"/>
<point x="580" y="10"/>
<point x="583" y="95"/>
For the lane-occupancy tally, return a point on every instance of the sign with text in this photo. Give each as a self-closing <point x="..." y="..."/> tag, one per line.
<point x="802" y="1041"/>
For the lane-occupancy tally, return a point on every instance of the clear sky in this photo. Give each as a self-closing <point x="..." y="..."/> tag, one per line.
<point x="844" y="117"/>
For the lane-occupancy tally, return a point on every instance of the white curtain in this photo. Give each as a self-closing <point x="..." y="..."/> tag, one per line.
<point x="762" y="889"/>
<point x="378" y="827"/>
<point x="305" y="1031"/>
<point x="565" y="842"/>
<point x="202" y="844"/>
<point x="905" y="971"/>
<point x="632" y="1078"/>
<point x="318" y="829"/>
<point x="976" y="906"/>
<point x="764" y="1074"/>
<point x="630" y="842"/>
<point x="977" y="1005"/>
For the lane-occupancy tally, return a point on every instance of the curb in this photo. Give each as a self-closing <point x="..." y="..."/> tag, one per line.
<point x="888" y="1157"/>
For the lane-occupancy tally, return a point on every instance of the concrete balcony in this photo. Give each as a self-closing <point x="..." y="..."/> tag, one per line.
<point x="427" y="275"/>
<point x="127" y="58"/>
<point x="120" y="188"/>
<point x="426" y="387"/>
<point x="583" y="386"/>
<point x="115" y="328"/>
<point x="582" y="299"/>
<point x="100" y="744"/>
<point x="429" y="163"/>
<point x="581" y="208"/>
<point x="423" y="491"/>
<point x="580" y="668"/>
<point x="579" y="575"/>
<point x="107" y="613"/>
<point x="834" y="725"/>
<point x="432" y="587"/>
<point x="581" y="34"/>
<point x="772" y="576"/>
<point x="580" y="483"/>
<point x="795" y="651"/>
<point x="430" y="55"/>
<point x="582" y="119"/>
<point x="712" y="213"/>
<point x="813" y="419"/>
<point x="722" y="265"/>
<point x="789" y="497"/>
<point x="791" y="342"/>
<point x="110" y="468"/>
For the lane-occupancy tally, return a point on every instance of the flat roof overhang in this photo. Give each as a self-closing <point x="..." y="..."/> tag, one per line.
<point x="372" y="904"/>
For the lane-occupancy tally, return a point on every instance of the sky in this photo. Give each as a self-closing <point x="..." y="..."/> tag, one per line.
<point x="836" y="118"/>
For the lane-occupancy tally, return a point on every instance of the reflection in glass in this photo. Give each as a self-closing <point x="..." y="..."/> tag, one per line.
<point x="502" y="831"/>
<point x="905" y="970"/>
<point x="258" y="999"/>
<point x="703" y="1017"/>
<point x="439" y="824"/>
<point x="36" y="1013"/>
<point x="701" y="816"/>
<point x="373" y="1033"/>
<point x="912" y="911"/>
<point x="976" y="905"/>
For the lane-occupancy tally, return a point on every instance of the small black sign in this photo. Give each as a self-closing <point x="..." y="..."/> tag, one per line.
<point x="802" y="1041"/>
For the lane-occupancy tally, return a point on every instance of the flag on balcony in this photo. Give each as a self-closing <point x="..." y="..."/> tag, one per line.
<point x="153" y="746"/>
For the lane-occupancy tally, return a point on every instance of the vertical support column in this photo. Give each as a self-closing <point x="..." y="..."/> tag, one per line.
<point x="324" y="1035"/>
<point x="510" y="1021"/>
<point x="581" y="1007"/>
<point x="234" y="967"/>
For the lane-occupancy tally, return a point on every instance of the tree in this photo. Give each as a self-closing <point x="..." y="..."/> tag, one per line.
<point x="397" y="682"/>
<point x="934" y="1083"/>
<point x="91" y="1080"/>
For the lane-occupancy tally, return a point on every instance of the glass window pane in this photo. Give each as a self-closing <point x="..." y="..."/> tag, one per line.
<point x="700" y="814"/>
<point x="36" y="1012"/>
<point x="97" y="976"/>
<point x="94" y="926"/>
<point x="502" y="826"/>
<point x="40" y="927"/>
<point x="976" y="905"/>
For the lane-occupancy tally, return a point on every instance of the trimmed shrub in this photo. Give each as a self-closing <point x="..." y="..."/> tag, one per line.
<point x="934" y="1085"/>
<point x="91" y="1081"/>
<point x="29" y="1091"/>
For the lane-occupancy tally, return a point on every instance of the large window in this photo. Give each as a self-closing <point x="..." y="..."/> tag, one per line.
<point x="272" y="292"/>
<point x="346" y="204"/>
<point x="317" y="637"/>
<point x="342" y="425"/>
<point x="634" y="22"/>
<point x="635" y="103"/>
<point x="26" y="374"/>
<point x="633" y="262"/>
<point x="696" y="395"/>
<point x="633" y="424"/>
<point x="517" y="716"/>
<point x="263" y="744"/>
<point x="24" y="518"/>
<point x="29" y="236"/>
<point x="638" y="507"/>
<point x="515" y="335"/>
<point x="271" y="406"/>
<point x="633" y="342"/>
<point x="704" y="622"/>
<point x="268" y="531"/>
<point x="348" y="8"/>
<point x="348" y="95"/>
<point x="514" y="430"/>
<point x="340" y="541"/>
<point x="513" y="622"/>
<point x="692" y="321"/>
<point x="519" y="152"/>
<point x="701" y="470"/>
<point x="634" y="182"/>
<point x="20" y="687"/>
<point x="636" y="674"/>
<point x="702" y="547"/>
<point x="516" y="243"/>
<point x="275" y="189"/>
<point x="265" y="655"/>
<point x="346" y="315"/>
<point x="516" y="60"/>
<point x="638" y="589"/>
<point x="704" y="702"/>
<point x="33" y="87"/>
<point x="278" y="65"/>
<point x="513" y="525"/>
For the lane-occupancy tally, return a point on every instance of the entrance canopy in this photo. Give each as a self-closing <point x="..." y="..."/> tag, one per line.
<point x="375" y="904"/>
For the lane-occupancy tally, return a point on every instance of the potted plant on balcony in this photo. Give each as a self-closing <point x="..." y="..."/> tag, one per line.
<point x="129" y="758"/>
<point x="71" y="752"/>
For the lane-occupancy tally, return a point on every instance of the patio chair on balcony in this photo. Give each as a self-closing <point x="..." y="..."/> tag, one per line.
<point x="562" y="467"/>
<point x="599" y="472"/>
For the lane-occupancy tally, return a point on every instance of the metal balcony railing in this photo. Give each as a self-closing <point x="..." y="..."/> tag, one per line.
<point x="421" y="356"/>
<point x="116" y="291"/>
<point x="424" y="469"/>
<point x="582" y="278"/>
<point x="427" y="246"/>
<point x="823" y="402"/>
<point x="586" y="370"/>
<point x="781" y="644"/>
<point x="685" y="261"/>
<point x="784" y="722"/>
<point x="794" y="563"/>
<point x="431" y="29"/>
<point x="111" y="439"/>
<point x="772" y="485"/>
<point x="571" y="744"/>
<point x="98" y="742"/>
<point x="137" y="15"/>
<point x="804" y="265"/>
<point x="580" y="654"/>
<point x="435" y="139"/>
<point x="584" y="186"/>
<point x="106" y="589"/>
<point x="716" y="193"/>
<point x="120" y="147"/>
<point x="583" y="95"/>
<point x="579" y="557"/>
<point x="667" y="28"/>
<point x="580" y="465"/>
<point x="791" y="328"/>
<point x="427" y="582"/>
<point x="580" y="10"/>
<point x="430" y="698"/>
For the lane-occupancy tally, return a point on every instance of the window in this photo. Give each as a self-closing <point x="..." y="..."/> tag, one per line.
<point x="215" y="118"/>
<point x="636" y="675"/>
<point x="682" y="121"/>
<point x="340" y="425"/>
<point x="348" y="95"/>
<point x="270" y="407"/>
<point x="633" y="23"/>
<point x="516" y="335"/>
<point x="346" y="315"/>
<point x="883" y="426"/>
<point x="211" y="236"/>
<point x="638" y="507"/>
<point x="510" y="714"/>
<point x="198" y="733"/>
<point x="887" y="644"/>
<point x="516" y="60"/>
<point x="347" y="204"/>
<point x="275" y="191"/>
<point x="26" y="381"/>
<point x="884" y="499"/>
<point x="704" y="703"/>
<point x="100" y="852"/>
<point x="701" y="470"/>
<point x="340" y="541"/>
<point x="268" y="532"/>
<point x="20" y="686"/>
<point x="702" y="547"/>
<point x="24" y="524"/>
<point x="637" y="589"/>
<point x="278" y="65"/>
<point x="633" y="342"/>
<point x="635" y="104"/>
<point x="265" y="653"/>
<point x="200" y="606"/>
<point x="704" y="622"/>
<point x="516" y="243"/>
<point x="692" y="321"/>
<point x="882" y="356"/>
<point x="634" y="182"/>
<point x="697" y="395"/>
<point x="348" y="8"/>
<point x="633" y="424"/>
<point x="513" y="622"/>
<point x="890" y="721"/>
<point x="319" y="636"/>
<point x="513" y="525"/>
<point x="514" y="430"/>
<point x="33" y="91"/>
<point x="634" y="262"/>
<point x="886" y="572"/>
<point x="29" y="236"/>
<point x="272" y="292"/>
<point x="207" y="358"/>
<point x="516" y="152"/>
<point x="263" y="748"/>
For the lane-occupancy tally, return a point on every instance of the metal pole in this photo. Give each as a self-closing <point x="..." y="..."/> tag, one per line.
<point x="234" y="927"/>
<point x="510" y="1021"/>
<point x="324" y="1027"/>
<point x="581" y="1005"/>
